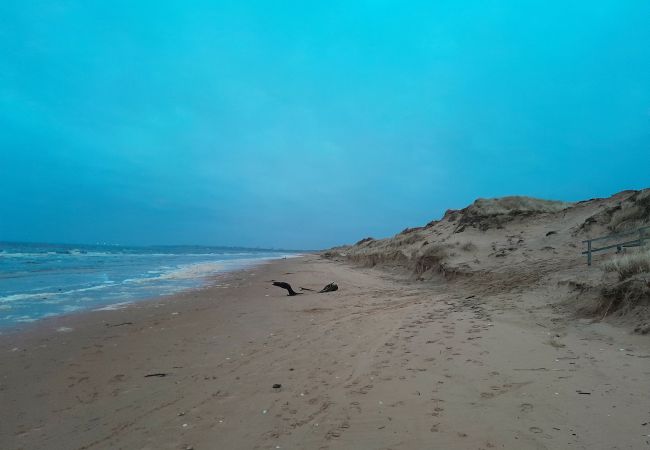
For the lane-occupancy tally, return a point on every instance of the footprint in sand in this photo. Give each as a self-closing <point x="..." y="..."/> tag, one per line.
<point x="535" y="430"/>
<point x="356" y="406"/>
<point x="525" y="407"/>
<point x="364" y="390"/>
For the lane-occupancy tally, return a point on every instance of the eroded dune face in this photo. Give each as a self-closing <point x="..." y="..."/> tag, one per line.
<point x="517" y="243"/>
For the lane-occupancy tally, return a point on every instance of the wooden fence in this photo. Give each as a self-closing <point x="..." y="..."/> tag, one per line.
<point x="641" y="235"/>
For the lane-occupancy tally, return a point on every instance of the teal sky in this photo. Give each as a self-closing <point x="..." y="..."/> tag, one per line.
<point x="309" y="124"/>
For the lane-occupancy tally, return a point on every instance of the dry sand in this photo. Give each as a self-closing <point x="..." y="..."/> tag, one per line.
<point x="383" y="363"/>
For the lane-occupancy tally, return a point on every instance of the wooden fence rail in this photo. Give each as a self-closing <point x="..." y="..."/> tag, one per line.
<point x="641" y="233"/>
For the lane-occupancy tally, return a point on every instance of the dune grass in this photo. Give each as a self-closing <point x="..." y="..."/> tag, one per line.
<point x="632" y="214"/>
<point x="506" y="205"/>
<point x="630" y="264"/>
<point x="429" y="258"/>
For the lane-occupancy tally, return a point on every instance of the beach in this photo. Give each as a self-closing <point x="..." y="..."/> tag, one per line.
<point x="324" y="225"/>
<point x="385" y="362"/>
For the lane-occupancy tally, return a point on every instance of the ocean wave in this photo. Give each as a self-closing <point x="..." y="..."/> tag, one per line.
<point x="25" y="319"/>
<point x="45" y="295"/>
<point x="18" y="297"/>
<point x="185" y="272"/>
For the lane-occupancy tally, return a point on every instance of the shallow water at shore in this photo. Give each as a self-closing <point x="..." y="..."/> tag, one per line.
<point x="44" y="280"/>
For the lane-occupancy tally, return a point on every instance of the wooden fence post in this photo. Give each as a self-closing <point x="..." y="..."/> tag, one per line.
<point x="589" y="252"/>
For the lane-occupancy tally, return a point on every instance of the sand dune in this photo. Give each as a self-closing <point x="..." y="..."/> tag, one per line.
<point x="525" y="245"/>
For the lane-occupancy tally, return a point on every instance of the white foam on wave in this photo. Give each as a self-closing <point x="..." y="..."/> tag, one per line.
<point x="185" y="272"/>
<point x="91" y="288"/>
<point x="25" y="319"/>
<point x="5" y="254"/>
<point x="200" y="270"/>
<point x="197" y="270"/>
<point x="46" y="295"/>
<point x="17" y="297"/>
<point x="73" y="252"/>
<point x="71" y="308"/>
<point x="114" y="306"/>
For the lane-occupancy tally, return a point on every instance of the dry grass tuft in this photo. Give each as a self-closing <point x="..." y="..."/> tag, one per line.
<point x="630" y="264"/>
<point x="633" y="213"/>
<point x="431" y="257"/>
<point x="408" y="239"/>
<point x="365" y="240"/>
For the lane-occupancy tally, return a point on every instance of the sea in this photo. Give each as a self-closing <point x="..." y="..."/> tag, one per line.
<point x="45" y="280"/>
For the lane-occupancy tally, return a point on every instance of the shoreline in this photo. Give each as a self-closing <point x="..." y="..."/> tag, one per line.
<point x="382" y="363"/>
<point x="205" y="283"/>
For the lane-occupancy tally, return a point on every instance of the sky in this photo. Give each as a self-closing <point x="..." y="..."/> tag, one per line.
<point x="309" y="124"/>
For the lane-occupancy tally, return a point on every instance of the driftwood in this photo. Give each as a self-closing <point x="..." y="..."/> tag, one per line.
<point x="281" y="284"/>
<point x="286" y="286"/>
<point x="330" y="288"/>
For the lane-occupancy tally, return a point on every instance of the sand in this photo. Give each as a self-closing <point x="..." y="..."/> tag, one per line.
<point x="384" y="363"/>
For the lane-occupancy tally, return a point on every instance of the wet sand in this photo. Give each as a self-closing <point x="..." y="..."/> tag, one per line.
<point x="383" y="363"/>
